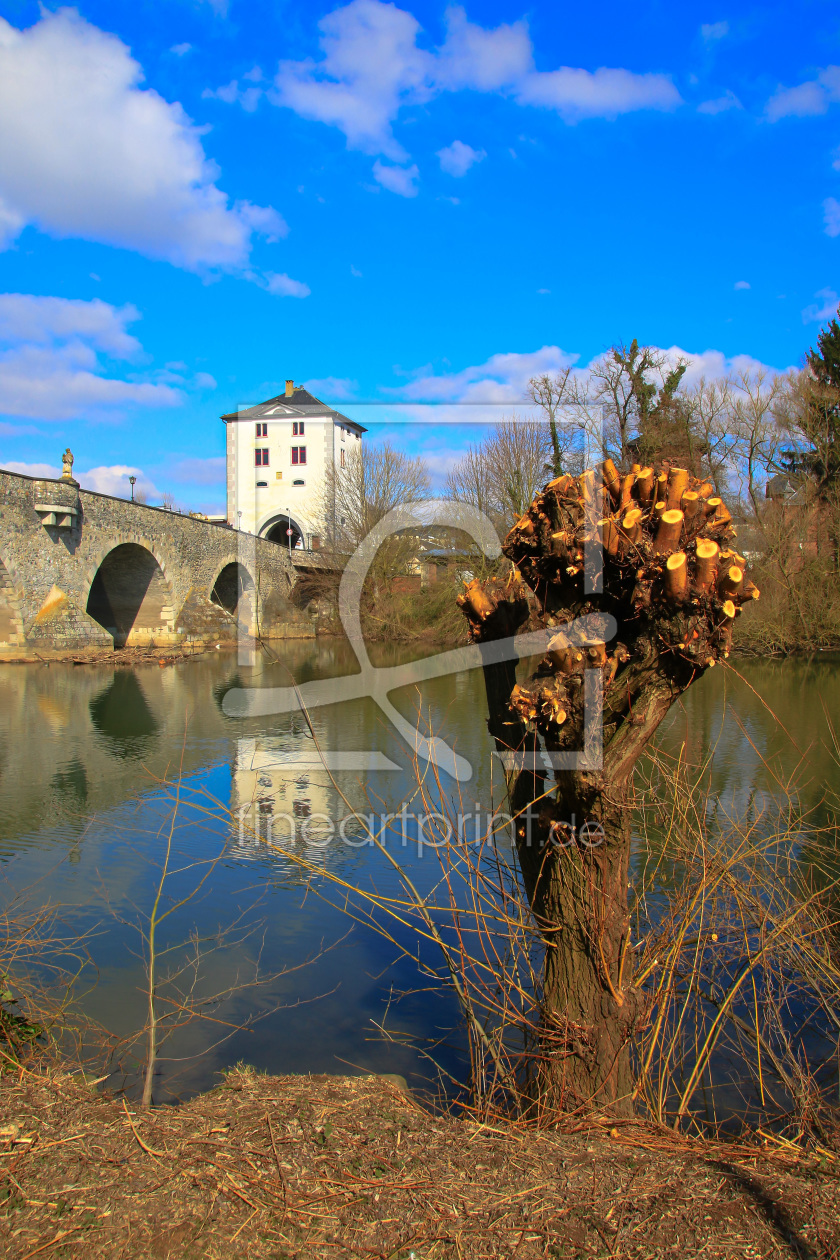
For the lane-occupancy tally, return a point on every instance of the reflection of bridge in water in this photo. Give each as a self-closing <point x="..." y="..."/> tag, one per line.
<point x="80" y="570"/>
<point x="80" y="742"/>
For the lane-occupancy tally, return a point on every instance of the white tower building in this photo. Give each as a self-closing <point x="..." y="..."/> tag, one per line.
<point x="278" y="455"/>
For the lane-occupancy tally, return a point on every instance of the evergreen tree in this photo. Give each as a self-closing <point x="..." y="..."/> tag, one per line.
<point x="819" y="417"/>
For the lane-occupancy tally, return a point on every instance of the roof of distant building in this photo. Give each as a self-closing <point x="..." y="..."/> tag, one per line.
<point x="297" y="403"/>
<point x="792" y="487"/>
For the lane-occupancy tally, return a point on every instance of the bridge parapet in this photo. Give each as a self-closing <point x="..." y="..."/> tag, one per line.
<point x="82" y="570"/>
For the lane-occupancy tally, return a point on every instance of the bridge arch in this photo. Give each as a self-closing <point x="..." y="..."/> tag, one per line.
<point x="233" y="588"/>
<point x="131" y="597"/>
<point x="273" y="529"/>
<point x="11" y="622"/>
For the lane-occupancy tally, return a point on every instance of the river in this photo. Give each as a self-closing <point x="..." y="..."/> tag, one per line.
<point x="85" y="818"/>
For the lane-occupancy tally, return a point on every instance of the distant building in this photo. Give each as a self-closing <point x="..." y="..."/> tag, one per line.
<point x="278" y="456"/>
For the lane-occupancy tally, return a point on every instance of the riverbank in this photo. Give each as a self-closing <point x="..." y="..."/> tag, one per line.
<point x="128" y="657"/>
<point x="352" y="1166"/>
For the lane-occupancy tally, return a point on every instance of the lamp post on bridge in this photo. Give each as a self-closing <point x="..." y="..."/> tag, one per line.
<point x="132" y="480"/>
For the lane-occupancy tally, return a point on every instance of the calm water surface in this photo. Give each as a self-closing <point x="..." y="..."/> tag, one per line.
<point x="84" y="821"/>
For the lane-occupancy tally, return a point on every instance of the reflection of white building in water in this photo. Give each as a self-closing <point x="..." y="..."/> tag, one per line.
<point x="278" y="795"/>
<point x="278" y="456"/>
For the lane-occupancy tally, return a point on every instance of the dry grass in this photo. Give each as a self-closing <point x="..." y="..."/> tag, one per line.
<point x="322" y="1167"/>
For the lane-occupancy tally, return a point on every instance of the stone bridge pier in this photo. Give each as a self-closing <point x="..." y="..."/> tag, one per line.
<point x="82" y="571"/>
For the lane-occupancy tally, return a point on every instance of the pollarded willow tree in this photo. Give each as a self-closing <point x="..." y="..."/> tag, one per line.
<point x="667" y="573"/>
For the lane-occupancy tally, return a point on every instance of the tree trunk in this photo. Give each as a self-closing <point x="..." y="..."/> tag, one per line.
<point x="673" y="594"/>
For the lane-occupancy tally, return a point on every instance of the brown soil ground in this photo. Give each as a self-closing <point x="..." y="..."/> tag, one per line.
<point x="318" y="1167"/>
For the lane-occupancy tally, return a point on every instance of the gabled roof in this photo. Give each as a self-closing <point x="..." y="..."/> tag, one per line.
<point x="299" y="403"/>
<point x="790" y="487"/>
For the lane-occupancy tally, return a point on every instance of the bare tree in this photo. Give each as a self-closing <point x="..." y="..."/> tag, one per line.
<point x="501" y="475"/>
<point x="752" y="420"/>
<point x="710" y="442"/>
<point x="555" y="395"/>
<point x="374" y="480"/>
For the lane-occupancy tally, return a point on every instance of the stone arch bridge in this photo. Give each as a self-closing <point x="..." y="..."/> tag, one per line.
<point x="82" y="571"/>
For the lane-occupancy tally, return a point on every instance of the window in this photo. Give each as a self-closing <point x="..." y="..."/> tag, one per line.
<point x="342" y="457"/>
<point x="297" y="428"/>
<point x="298" y="454"/>
<point x="262" y="430"/>
<point x="261" y="457"/>
<point x="262" y="484"/>
<point x="343" y="433"/>
<point x="298" y="482"/>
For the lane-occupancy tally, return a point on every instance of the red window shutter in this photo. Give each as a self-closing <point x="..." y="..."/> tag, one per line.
<point x="294" y="454"/>
<point x="302" y="450"/>
<point x="257" y="457"/>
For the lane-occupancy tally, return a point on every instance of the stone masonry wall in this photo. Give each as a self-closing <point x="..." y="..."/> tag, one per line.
<point x="50" y="559"/>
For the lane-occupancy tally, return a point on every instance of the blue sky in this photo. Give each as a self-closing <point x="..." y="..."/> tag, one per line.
<point x="397" y="203"/>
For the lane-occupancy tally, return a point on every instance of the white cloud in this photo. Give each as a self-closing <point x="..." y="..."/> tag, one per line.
<point x="354" y="271"/>
<point x="281" y="285"/>
<point x="219" y="7"/>
<point x="113" y="479"/>
<point x="809" y="98"/>
<point x="713" y="364"/>
<point x="30" y="470"/>
<point x="501" y="382"/>
<point x="89" y="153"/>
<point x="105" y="479"/>
<point x="231" y="93"/>
<point x="480" y="59"/>
<point x="457" y="158"/>
<point x="15" y="430"/>
<point x="720" y="104"/>
<point x="824" y="309"/>
<point x="49" y="359"/>
<point x="199" y="472"/>
<point x="44" y="320"/>
<point x="180" y="50"/>
<point x="831" y="216"/>
<point x="602" y="93"/>
<point x="371" y="67"/>
<point x="332" y="387"/>
<point x="713" y="31"/>
<point x="401" y="180"/>
<point x="502" y="379"/>
<point x="742" y="284"/>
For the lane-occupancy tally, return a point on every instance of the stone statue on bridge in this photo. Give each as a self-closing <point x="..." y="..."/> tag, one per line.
<point x="67" y="465"/>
